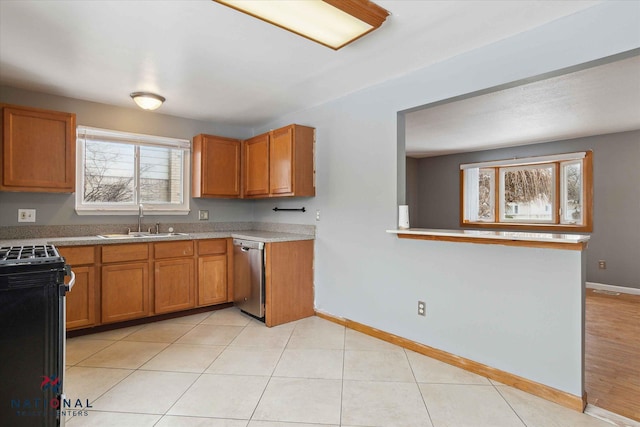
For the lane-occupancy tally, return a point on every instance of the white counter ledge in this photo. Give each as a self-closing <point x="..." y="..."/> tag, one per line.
<point x="509" y="238"/>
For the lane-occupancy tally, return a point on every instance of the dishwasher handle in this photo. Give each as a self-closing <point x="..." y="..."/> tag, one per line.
<point x="245" y="244"/>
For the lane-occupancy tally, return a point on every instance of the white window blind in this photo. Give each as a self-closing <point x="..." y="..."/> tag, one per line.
<point x="105" y="135"/>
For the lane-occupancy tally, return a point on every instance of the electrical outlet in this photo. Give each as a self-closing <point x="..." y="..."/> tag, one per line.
<point x="602" y="264"/>
<point x="318" y="215"/>
<point x="26" y="215"/>
<point x="203" y="215"/>
<point x="422" y="308"/>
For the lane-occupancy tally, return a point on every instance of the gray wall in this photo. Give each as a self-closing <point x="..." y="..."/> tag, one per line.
<point x="616" y="169"/>
<point x="367" y="275"/>
<point x="59" y="209"/>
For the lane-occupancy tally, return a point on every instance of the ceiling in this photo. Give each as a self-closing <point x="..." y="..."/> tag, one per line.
<point x="216" y="64"/>
<point x="593" y="101"/>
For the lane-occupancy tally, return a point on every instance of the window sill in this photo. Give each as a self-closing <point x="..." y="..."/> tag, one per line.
<point x="556" y="228"/>
<point x="575" y="242"/>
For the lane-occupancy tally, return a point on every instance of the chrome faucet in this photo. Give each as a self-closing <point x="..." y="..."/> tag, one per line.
<point x="140" y="216"/>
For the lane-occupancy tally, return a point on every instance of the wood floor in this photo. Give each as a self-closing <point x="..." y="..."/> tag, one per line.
<point x="612" y="371"/>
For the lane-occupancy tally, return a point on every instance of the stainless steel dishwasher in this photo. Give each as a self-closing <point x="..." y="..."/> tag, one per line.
<point x="248" y="276"/>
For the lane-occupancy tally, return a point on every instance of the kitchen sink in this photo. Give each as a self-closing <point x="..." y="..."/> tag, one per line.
<point x="136" y="235"/>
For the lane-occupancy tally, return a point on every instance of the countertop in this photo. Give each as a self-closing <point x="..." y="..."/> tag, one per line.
<point x="258" y="235"/>
<point x="511" y="238"/>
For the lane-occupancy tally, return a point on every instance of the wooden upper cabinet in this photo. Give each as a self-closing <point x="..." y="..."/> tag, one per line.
<point x="291" y="165"/>
<point x="280" y="163"/>
<point x="38" y="150"/>
<point x="255" y="166"/>
<point x="216" y="166"/>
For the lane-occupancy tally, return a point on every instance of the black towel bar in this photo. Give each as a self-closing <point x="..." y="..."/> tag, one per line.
<point x="302" y="209"/>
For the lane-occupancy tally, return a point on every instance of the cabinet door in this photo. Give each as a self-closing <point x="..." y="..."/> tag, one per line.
<point x="174" y="285"/>
<point x="216" y="171"/>
<point x="81" y="301"/>
<point x="288" y="281"/>
<point x="38" y="150"/>
<point x="256" y="166"/>
<point x="125" y="291"/>
<point x="281" y="161"/>
<point x="212" y="280"/>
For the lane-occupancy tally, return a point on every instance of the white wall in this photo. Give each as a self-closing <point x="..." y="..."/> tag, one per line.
<point x="516" y="309"/>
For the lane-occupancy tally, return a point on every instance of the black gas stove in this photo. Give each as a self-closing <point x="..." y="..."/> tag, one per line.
<point x="12" y="256"/>
<point x="32" y="334"/>
<point x="41" y="253"/>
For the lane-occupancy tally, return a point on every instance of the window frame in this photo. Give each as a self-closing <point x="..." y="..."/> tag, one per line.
<point x="558" y="224"/>
<point x="136" y="140"/>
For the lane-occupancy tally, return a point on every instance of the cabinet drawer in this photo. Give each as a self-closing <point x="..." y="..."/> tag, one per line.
<point x="182" y="248"/>
<point x="123" y="253"/>
<point x="78" y="255"/>
<point x="212" y="247"/>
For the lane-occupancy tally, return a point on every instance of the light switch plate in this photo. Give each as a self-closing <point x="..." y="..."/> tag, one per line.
<point x="26" y="215"/>
<point x="203" y="215"/>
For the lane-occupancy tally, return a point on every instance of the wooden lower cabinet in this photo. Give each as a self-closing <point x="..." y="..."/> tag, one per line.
<point x="125" y="291"/>
<point x="215" y="271"/>
<point x="120" y="282"/>
<point x="288" y="281"/>
<point x="83" y="301"/>
<point x="174" y="285"/>
<point x="212" y="280"/>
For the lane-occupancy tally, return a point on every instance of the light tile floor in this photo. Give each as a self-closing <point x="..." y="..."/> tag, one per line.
<point x="224" y="369"/>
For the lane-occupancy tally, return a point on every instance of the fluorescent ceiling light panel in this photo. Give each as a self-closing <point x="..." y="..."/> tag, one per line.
<point x="333" y="23"/>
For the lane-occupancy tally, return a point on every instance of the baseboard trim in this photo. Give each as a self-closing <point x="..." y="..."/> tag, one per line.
<point x="568" y="400"/>
<point x="613" y="288"/>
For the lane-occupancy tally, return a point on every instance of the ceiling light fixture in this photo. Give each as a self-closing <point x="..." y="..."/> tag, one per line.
<point x="333" y="23"/>
<point x="147" y="100"/>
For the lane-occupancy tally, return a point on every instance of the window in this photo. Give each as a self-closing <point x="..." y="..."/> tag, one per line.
<point x="117" y="171"/>
<point x="550" y="192"/>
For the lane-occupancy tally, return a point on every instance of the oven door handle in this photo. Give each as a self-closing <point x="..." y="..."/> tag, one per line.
<point x="72" y="281"/>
